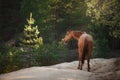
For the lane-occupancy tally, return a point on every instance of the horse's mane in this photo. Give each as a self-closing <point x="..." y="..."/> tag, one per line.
<point x="77" y="33"/>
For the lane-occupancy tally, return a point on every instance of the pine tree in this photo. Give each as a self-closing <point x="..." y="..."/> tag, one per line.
<point x="31" y="34"/>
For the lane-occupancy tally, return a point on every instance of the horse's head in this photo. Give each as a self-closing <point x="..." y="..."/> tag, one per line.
<point x="68" y="36"/>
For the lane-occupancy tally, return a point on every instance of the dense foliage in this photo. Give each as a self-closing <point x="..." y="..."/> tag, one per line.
<point x="105" y="18"/>
<point x="107" y="13"/>
<point x="101" y="47"/>
<point x="12" y="58"/>
<point x="55" y="16"/>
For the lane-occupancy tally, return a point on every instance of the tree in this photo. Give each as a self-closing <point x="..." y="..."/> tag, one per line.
<point x="105" y="22"/>
<point x="107" y="13"/>
<point x="55" y="16"/>
<point x="31" y="34"/>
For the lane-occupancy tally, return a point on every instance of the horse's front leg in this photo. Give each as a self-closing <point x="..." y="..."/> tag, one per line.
<point x="80" y="59"/>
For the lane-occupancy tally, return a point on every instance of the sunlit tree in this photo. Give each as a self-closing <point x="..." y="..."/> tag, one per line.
<point x="31" y="33"/>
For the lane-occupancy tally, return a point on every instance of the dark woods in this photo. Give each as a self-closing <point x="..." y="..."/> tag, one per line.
<point x="58" y="17"/>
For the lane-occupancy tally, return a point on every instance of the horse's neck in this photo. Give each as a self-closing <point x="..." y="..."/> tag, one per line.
<point x="77" y="34"/>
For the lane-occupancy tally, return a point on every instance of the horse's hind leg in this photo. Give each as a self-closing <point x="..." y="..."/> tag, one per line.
<point x="81" y="66"/>
<point x="88" y="60"/>
<point x="89" y="51"/>
<point x="88" y="64"/>
<point x="80" y="59"/>
<point x="78" y="65"/>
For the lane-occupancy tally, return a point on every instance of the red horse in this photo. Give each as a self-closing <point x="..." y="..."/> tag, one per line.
<point x="85" y="46"/>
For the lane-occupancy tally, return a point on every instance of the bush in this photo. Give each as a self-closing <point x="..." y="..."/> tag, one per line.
<point x="51" y="53"/>
<point x="9" y="59"/>
<point x="101" y="47"/>
<point x="13" y="58"/>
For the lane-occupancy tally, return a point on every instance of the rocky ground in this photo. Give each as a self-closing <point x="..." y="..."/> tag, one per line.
<point x="101" y="69"/>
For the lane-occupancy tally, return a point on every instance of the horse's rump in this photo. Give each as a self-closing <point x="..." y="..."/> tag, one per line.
<point x="84" y="43"/>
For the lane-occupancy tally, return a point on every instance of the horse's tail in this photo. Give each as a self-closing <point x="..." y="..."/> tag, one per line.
<point x="85" y="46"/>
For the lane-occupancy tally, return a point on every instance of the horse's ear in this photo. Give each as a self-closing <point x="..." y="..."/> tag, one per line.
<point x="68" y="29"/>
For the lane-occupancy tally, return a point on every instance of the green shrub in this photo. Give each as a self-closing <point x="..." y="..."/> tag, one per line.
<point x="51" y="53"/>
<point x="13" y="58"/>
<point x="101" y="47"/>
<point x="9" y="59"/>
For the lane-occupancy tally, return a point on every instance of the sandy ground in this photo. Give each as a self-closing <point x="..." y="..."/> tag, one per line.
<point x="101" y="69"/>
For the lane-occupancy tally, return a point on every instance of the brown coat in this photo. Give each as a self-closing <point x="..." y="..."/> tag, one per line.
<point x="85" y="45"/>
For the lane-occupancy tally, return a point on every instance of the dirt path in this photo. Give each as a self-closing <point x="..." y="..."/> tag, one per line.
<point x="101" y="69"/>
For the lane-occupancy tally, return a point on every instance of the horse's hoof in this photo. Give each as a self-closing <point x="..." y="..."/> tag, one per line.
<point x="88" y="70"/>
<point x="78" y="67"/>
